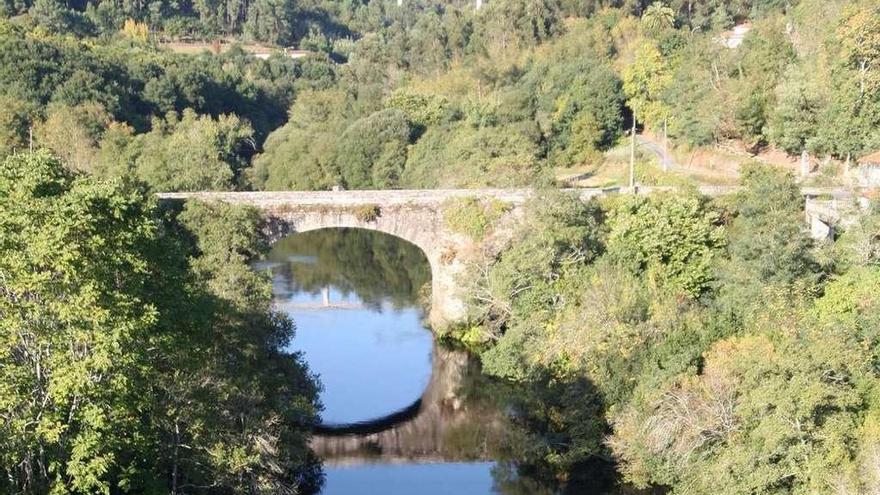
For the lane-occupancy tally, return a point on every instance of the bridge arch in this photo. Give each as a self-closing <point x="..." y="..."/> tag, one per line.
<point x="421" y="226"/>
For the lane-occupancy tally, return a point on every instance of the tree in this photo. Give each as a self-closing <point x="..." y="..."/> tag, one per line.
<point x="271" y="21"/>
<point x="517" y="23"/>
<point x="58" y="17"/>
<point x="695" y="94"/>
<point x="73" y="133"/>
<point x="513" y="295"/>
<point x="859" y="34"/>
<point x="372" y="151"/>
<point x="658" y="17"/>
<point x="673" y="241"/>
<point x="794" y="121"/>
<point x="759" y="412"/>
<point x="76" y="328"/>
<point x="768" y="247"/>
<point x="301" y="154"/>
<point x="768" y="235"/>
<point x="644" y="82"/>
<point x="139" y="352"/>
<point x="15" y="122"/>
<point x="461" y="155"/>
<point x="193" y="153"/>
<point x="764" y="56"/>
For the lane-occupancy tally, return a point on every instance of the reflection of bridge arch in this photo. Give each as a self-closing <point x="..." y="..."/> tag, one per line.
<point x="437" y="427"/>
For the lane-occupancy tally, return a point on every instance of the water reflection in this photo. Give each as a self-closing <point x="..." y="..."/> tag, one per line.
<point x="408" y="479"/>
<point x="404" y="414"/>
<point x="445" y="424"/>
<point x="354" y="295"/>
<point x="373" y="268"/>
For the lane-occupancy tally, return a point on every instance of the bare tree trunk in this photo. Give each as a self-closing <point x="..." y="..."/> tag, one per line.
<point x="632" y="158"/>
<point x="665" y="147"/>
<point x="805" y="163"/>
<point x="862" y="73"/>
<point x="174" y="466"/>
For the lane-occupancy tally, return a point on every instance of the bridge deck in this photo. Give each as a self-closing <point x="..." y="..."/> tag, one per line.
<point x="435" y="196"/>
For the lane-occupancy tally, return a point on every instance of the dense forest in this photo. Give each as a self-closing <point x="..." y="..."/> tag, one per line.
<point x="708" y="346"/>
<point x="139" y="352"/>
<point x="701" y="346"/>
<point x="429" y="94"/>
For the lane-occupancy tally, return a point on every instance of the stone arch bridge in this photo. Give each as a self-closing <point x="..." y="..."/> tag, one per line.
<point x="417" y="216"/>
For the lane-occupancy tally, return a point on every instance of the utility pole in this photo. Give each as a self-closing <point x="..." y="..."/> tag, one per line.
<point x="632" y="159"/>
<point x="665" y="147"/>
<point x="479" y="4"/>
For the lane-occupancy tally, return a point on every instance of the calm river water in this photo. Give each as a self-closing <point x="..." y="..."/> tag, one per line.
<point x="402" y="413"/>
<point x="356" y="297"/>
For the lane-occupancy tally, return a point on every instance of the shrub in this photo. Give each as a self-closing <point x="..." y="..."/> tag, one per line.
<point x="367" y="213"/>
<point x="472" y="217"/>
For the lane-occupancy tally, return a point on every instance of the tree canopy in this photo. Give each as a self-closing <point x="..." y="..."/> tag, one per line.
<point x="139" y="351"/>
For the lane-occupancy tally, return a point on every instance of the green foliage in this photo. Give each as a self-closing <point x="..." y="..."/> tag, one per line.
<point x="460" y="155"/>
<point x="137" y="343"/>
<point x="859" y="244"/>
<point x="420" y="109"/>
<point x="766" y="54"/>
<point x="858" y="33"/>
<point x="658" y="17"/>
<point x="269" y="20"/>
<point x="759" y="411"/>
<point x="128" y="368"/>
<point x="367" y="213"/>
<point x="694" y="117"/>
<point x="583" y="103"/>
<point x="73" y="133"/>
<point x="471" y="216"/>
<point x="524" y="282"/>
<point x="372" y="151"/>
<point x="15" y="118"/>
<point x="644" y="81"/>
<point x="76" y="260"/>
<point x="672" y="240"/>
<point x="767" y="236"/>
<point x="301" y="154"/>
<point x="750" y="379"/>
<point x="517" y="23"/>
<point x="192" y="153"/>
<point x="795" y="121"/>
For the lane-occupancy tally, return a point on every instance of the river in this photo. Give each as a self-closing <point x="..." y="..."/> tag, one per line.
<point x="403" y="414"/>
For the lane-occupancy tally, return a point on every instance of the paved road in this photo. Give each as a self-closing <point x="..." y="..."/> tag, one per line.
<point x="666" y="160"/>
